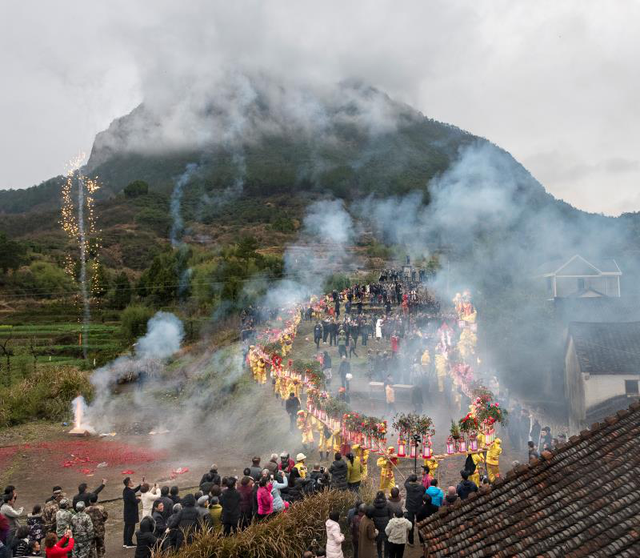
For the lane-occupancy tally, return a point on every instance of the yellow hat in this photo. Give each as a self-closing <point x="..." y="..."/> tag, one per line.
<point x="355" y="447"/>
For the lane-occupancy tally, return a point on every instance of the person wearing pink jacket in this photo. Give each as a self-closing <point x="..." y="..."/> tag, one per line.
<point x="265" y="499"/>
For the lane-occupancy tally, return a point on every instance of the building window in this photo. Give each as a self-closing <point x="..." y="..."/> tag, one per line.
<point x="631" y="387"/>
<point x="581" y="284"/>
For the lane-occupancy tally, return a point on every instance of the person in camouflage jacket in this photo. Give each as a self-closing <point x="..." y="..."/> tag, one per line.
<point x="83" y="534"/>
<point x="98" y="517"/>
<point x="51" y="507"/>
<point x="63" y="518"/>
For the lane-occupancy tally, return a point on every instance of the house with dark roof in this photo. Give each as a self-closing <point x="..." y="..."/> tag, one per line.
<point x="602" y="369"/>
<point x="578" y="277"/>
<point x="581" y="499"/>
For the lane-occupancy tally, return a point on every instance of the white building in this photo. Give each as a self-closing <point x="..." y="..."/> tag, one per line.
<point x="577" y="277"/>
<point x="602" y="370"/>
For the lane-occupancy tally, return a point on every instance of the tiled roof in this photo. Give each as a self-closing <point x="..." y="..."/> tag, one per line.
<point x="582" y="499"/>
<point x="597" y="309"/>
<point x="607" y="348"/>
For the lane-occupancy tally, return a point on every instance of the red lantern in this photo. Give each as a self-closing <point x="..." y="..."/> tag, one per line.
<point x="401" y="448"/>
<point x="451" y="446"/>
<point x="473" y="443"/>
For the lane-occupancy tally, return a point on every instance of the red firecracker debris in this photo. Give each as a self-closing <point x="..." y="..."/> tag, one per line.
<point x="128" y="472"/>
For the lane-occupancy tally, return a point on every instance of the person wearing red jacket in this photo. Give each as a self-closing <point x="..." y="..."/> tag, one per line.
<point x="58" y="549"/>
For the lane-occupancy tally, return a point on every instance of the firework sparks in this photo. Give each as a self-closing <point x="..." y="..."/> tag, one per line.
<point x="78" y="221"/>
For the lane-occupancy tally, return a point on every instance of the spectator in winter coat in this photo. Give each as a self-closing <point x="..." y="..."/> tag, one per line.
<point x="334" y="536"/>
<point x="172" y="527"/>
<point x="265" y="499"/>
<point x="427" y="509"/>
<point x="36" y="524"/>
<point x="395" y="501"/>
<point x="437" y="496"/>
<point x="4" y="530"/>
<point x="20" y="542"/>
<point x="414" y="491"/>
<point x="286" y="463"/>
<point x="339" y="472"/>
<point x="354" y="525"/>
<point x="167" y="502"/>
<point x="130" y="511"/>
<point x="11" y="513"/>
<point x="230" y="500"/>
<point x="272" y="464"/>
<point x="174" y="494"/>
<point x="157" y="514"/>
<point x="465" y="487"/>
<point x="145" y="538"/>
<point x="188" y="520"/>
<point x="55" y="548"/>
<point x="148" y="496"/>
<point x="246" y="501"/>
<point x="5" y="551"/>
<point x="255" y="470"/>
<point x="426" y="477"/>
<point x="368" y="535"/>
<point x="396" y="531"/>
<point x="451" y="496"/>
<point x="84" y="496"/>
<point x="215" y="512"/>
<point x="280" y="482"/>
<point x="202" y="508"/>
<point x="211" y="477"/>
<point x="381" y="516"/>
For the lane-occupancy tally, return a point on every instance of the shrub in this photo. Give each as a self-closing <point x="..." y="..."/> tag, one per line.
<point x="134" y="320"/>
<point x="136" y="188"/>
<point x="45" y="394"/>
<point x="287" y="535"/>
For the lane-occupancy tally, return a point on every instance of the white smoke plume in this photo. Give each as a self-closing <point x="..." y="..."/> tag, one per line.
<point x="162" y="340"/>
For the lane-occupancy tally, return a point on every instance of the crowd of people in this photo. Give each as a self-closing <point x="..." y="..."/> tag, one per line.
<point x="162" y="517"/>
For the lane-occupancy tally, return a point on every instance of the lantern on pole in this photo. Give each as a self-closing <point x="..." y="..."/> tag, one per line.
<point x="401" y="447"/>
<point x="451" y="446"/>
<point x="426" y="448"/>
<point x="462" y="445"/>
<point x="473" y="442"/>
<point x="413" y="450"/>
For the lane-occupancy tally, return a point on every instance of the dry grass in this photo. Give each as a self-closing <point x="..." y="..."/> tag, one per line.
<point x="287" y="535"/>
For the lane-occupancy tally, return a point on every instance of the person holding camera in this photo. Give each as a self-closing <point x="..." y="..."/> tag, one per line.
<point x="55" y="548"/>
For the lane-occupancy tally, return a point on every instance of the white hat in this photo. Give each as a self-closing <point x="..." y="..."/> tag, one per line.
<point x="301" y="457"/>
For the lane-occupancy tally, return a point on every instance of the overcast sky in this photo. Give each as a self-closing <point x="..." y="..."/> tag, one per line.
<point x="555" y="83"/>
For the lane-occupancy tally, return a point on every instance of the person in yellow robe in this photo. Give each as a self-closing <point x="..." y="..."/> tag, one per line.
<point x="478" y="458"/>
<point x="386" y="464"/>
<point x="425" y="360"/>
<point x="493" y="459"/>
<point x="441" y="371"/>
<point x="262" y="371"/>
<point x="325" y="444"/>
<point x="304" y="425"/>
<point x="363" y="454"/>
